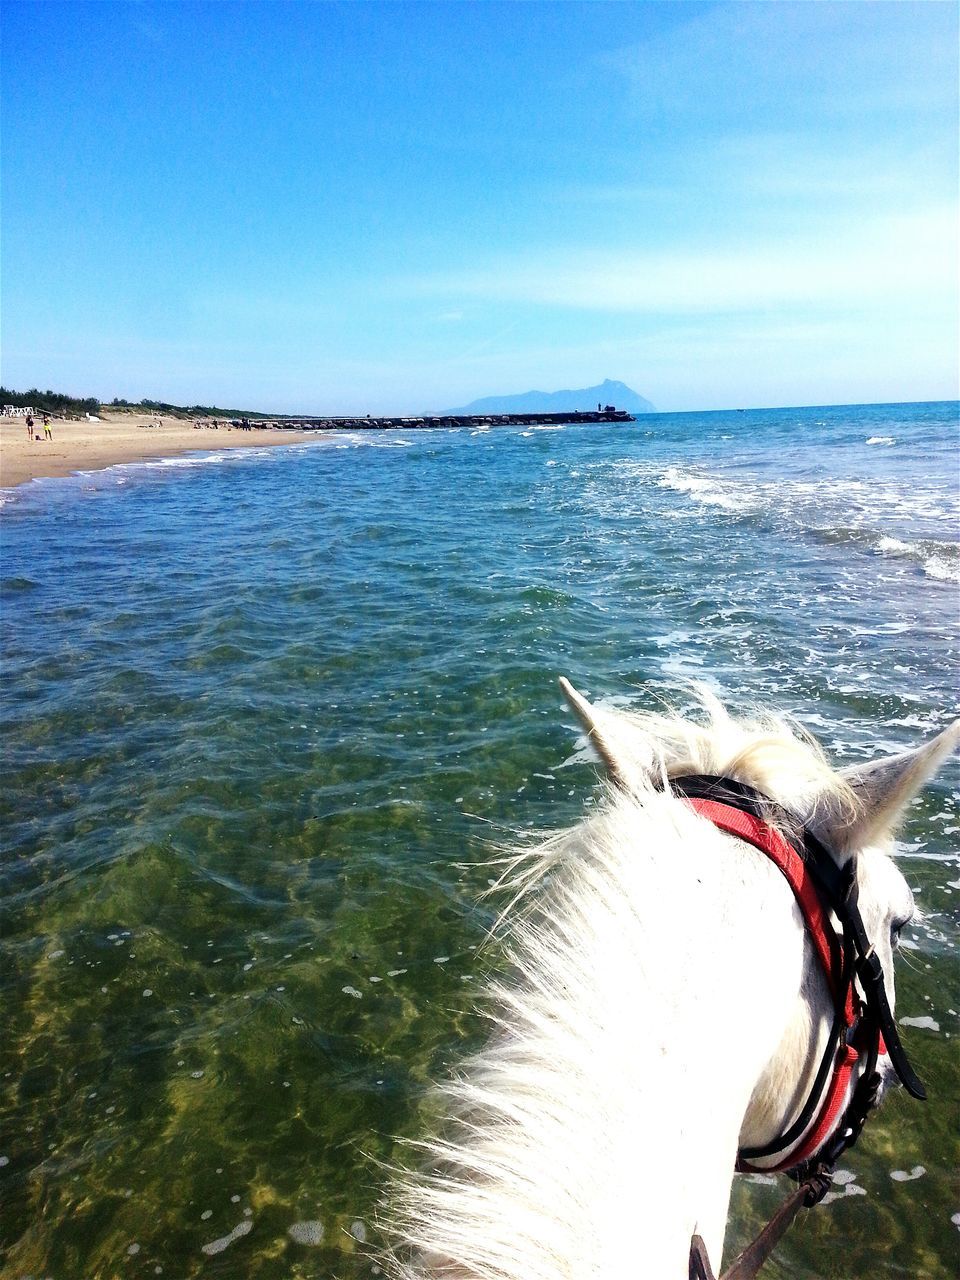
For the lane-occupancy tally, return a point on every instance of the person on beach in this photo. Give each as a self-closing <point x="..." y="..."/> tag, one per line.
<point x="47" y="432"/>
<point x="29" y="427"/>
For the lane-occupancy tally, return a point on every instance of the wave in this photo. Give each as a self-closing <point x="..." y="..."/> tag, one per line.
<point x="16" y="585"/>
<point x="838" y="512"/>
<point x="940" y="560"/>
<point x="368" y="439"/>
<point x="707" y="489"/>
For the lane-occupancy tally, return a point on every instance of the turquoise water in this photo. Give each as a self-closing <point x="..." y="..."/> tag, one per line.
<point x="263" y="714"/>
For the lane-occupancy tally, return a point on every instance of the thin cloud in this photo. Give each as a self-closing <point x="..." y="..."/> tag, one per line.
<point x="902" y="259"/>
<point x="800" y="61"/>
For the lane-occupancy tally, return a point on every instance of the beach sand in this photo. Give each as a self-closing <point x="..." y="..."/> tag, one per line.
<point x="89" y="446"/>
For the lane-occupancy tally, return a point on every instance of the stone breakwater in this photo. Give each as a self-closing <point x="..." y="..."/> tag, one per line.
<point x="448" y="420"/>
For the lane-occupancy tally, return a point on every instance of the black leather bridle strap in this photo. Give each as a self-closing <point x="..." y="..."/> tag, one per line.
<point x="839" y="887"/>
<point x="870" y="974"/>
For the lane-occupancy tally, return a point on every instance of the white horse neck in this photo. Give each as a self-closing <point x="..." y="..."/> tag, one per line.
<point x="599" y="1129"/>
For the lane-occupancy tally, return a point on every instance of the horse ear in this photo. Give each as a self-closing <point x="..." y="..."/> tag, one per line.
<point x="885" y="787"/>
<point x="610" y="737"/>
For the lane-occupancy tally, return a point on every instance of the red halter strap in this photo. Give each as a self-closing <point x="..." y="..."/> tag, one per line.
<point x="832" y="1118"/>
<point x="769" y="841"/>
<point x="839" y="974"/>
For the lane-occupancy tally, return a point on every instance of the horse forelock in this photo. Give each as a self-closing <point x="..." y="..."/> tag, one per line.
<point x="771" y="753"/>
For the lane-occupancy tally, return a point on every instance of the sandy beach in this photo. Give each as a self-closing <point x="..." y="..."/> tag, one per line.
<point x="128" y="437"/>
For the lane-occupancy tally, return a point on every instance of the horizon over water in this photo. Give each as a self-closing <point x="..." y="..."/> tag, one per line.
<point x="265" y="714"/>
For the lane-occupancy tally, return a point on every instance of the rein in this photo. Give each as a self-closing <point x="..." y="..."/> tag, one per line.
<point x="863" y="1026"/>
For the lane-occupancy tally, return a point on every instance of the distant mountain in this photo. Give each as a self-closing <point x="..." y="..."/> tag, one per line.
<point x="587" y="398"/>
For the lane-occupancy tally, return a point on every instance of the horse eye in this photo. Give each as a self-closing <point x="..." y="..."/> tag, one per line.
<point x="895" y="930"/>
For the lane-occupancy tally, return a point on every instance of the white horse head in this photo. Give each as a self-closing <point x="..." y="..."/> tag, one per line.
<point x="666" y="1008"/>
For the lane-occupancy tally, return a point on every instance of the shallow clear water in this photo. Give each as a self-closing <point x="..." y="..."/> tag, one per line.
<point x="259" y="713"/>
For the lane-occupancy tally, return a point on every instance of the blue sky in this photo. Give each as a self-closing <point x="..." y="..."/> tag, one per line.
<point x="393" y="207"/>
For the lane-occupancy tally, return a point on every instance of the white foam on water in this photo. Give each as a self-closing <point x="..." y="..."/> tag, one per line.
<point x="672" y="637"/>
<point x="584" y="756"/>
<point x="924" y="1023"/>
<point x="901" y="1175"/>
<point x="885" y="629"/>
<point x="613" y="701"/>
<point x="850" y="1189"/>
<point x="224" y="1242"/>
<point x="367" y="439"/>
<point x="937" y="567"/>
<point x="687" y="667"/>
<point x="701" y="488"/>
<point x="894" y="547"/>
<point x="308" y="1233"/>
<point x="881" y="440"/>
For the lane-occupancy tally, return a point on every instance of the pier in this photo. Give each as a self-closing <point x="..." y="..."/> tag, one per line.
<point x="433" y="422"/>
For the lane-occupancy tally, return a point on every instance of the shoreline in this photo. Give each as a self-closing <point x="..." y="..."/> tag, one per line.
<point x="94" y="446"/>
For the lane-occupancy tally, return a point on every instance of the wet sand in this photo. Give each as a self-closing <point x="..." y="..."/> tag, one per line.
<point x="90" y="446"/>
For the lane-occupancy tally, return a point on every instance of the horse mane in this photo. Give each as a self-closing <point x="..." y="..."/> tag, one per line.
<point x="586" y="916"/>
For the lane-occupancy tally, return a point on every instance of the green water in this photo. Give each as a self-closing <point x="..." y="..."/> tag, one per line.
<point x="263" y="718"/>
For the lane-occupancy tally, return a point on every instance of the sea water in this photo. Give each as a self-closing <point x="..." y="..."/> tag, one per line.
<point x="265" y="714"/>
